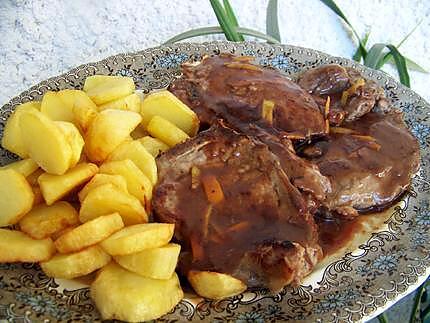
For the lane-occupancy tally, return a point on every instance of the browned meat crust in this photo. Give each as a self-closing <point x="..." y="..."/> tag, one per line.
<point x="261" y="232"/>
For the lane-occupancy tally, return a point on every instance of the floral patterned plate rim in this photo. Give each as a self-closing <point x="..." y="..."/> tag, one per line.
<point x="354" y="287"/>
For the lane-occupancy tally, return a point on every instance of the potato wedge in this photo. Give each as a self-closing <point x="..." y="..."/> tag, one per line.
<point x="76" y="264"/>
<point x="100" y="179"/>
<point x="107" y="131"/>
<point x="126" y="296"/>
<point x="157" y="263"/>
<point x="215" y="285"/>
<point x="54" y="187"/>
<point x="84" y="110"/>
<point x="45" y="142"/>
<point x="58" y="234"/>
<point x="104" y="88"/>
<point x="166" y="131"/>
<point x="138" y="237"/>
<point x="153" y="145"/>
<point x="137" y="183"/>
<point x="16" y="246"/>
<point x="12" y="139"/>
<point x="53" y="107"/>
<point x="74" y="139"/>
<point x="130" y="102"/>
<point x="135" y="151"/>
<point x="89" y="233"/>
<point x="169" y="107"/>
<point x="16" y="197"/>
<point x="106" y="199"/>
<point x="43" y="221"/>
<point x="25" y="167"/>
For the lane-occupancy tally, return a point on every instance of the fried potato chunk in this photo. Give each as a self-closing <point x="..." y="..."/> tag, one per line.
<point x="89" y="233"/>
<point x="131" y="102"/>
<point x="26" y="167"/>
<point x="54" y="187"/>
<point x="153" y="145"/>
<point x="157" y="263"/>
<point x="107" y="131"/>
<point x="76" y="264"/>
<point x="164" y="104"/>
<point x="166" y="131"/>
<point x="16" y="246"/>
<point x="135" y="151"/>
<point x="215" y="285"/>
<point x="138" y="237"/>
<point x="99" y="179"/>
<point x="126" y="296"/>
<point x="74" y="139"/>
<point x="53" y="107"/>
<point x="137" y="183"/>
<point x="12" y="139"/>
<point x="43" y="221"/>
<point x="107" y="199"/>
<point x="16" y="197"/>
<point x="45" y="143"/>
<point x="104" y="88"/>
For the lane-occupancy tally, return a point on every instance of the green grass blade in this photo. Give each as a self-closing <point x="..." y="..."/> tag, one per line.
<point x="231" y="16"/>
<point x="333" y="6"/>
<point x="195" y="33"/>
<point x="417" y="303"/>
<point x="401" y="65"/>
<point x="388" y="58"/>
<point x="414" y="66"/>
<point x="410" y="33"/>
<point x="257" y="34"/>
<point x="272" y="25"/>
<point x="374" y="56"/>
<point x="229" y="29"/>
<point x="218" y="30"/>
<point x="357" y="55"/>
<point x="409" y="63"/>
<point x="382" y="318"/>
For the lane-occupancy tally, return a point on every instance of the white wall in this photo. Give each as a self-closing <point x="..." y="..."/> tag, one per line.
<point x="39" y="39"/>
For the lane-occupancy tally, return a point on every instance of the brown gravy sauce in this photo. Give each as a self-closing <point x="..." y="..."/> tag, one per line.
<point x="341" y="237"/>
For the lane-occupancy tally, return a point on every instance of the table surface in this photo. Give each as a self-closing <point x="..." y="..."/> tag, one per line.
<point x="45" y="38"/>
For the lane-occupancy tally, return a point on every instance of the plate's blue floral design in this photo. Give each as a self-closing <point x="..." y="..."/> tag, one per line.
<point x="352" y="288"/>
<point x="41" y="304"/>
<point x="421" y="131"/>
<point x="171" y="60"/>
<point x="334" y="301"/>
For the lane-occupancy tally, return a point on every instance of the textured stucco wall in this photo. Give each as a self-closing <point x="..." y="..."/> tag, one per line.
<point x="40" y="39"/>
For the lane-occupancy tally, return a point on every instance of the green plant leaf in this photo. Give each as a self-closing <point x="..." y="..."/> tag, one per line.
<point x="272" y="25"/>
<point x="401" y="65"/>
<point x="257" y="34"/>
<point x="417" y="302"/>
<point x="227" y="27"/>
<point x="195" y="33"/>
<point x="382" y="318"/>
<point x="409" y="33"/>
<point x="218" y="30"/>
<point x="357" y="55"/>
<point x="374" y="55"/>
<point x="333" y="6"/>
<point x="409" y="63"/>
<point x="231" y="16"/>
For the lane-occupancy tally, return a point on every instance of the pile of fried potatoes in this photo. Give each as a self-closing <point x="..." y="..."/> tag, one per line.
<point x="79" y="199"/>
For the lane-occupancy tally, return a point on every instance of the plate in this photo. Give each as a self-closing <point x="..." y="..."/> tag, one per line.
<point x="355" y="286"/>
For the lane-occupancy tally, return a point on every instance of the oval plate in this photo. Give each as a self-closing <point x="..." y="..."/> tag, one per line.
<point x="356" y="286"/>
